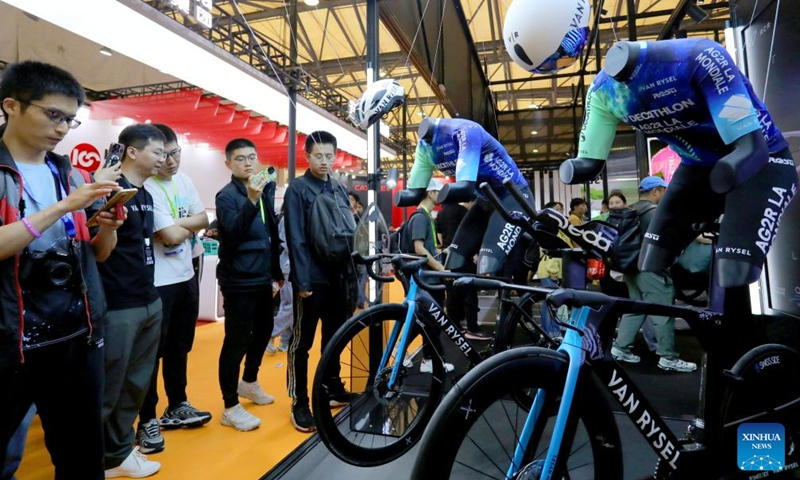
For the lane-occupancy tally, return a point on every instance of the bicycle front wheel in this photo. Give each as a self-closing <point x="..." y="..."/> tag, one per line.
<point x="475" y="431"/>
<point x="382" y="422"/>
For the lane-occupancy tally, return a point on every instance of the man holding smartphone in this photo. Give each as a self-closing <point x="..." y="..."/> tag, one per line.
<point x="133" y="322"/>
<point x="249" y="248"/>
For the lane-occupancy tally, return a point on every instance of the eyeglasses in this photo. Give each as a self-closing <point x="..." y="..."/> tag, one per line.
<point x="161" y="155"/>
<point x="56" y="116"/>
<point x="175" y="154"/>
<point x="241" y="158"/>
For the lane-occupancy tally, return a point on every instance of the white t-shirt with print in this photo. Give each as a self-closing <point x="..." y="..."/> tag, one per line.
<point x="175" y="199"/>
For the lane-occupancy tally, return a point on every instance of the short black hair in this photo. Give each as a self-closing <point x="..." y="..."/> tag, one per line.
<point x="319" y="137"/>
<point x="354" y="195"/>
<point x="30" y="80"/>
<point x="236" y="144"/>
<point x="551" y="204"/>
<point x="619" y="194"/>
<point x="139" y="135"/>
<point x="169" y="133"/>
<point x="576" y="202"/>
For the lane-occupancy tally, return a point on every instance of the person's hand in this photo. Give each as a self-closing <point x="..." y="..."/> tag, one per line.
<point x="109" y="220"/>
<point x="305" y="294"/>
<point x="255" y="185"/>
<point x="108" y="173"/>
<point x="87" y="193"/>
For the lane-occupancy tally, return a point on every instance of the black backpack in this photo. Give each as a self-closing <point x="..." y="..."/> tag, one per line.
<point x="331" y="227"/>
<point x="624" y="254"/>
<point x="397" y="240"/>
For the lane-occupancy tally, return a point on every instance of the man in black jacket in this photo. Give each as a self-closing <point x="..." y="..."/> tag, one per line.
<point x="249" y="248"/>
<point x="320" y="291"/>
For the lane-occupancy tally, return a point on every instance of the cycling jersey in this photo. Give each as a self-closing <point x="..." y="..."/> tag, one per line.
<point x="464" y="149"/>
<point x="687" y="93"/>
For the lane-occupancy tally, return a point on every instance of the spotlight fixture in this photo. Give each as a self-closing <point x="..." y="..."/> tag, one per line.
<point x="311" y="3"/>
<point x="106" y="51"/>
<point x="391" y="177"/>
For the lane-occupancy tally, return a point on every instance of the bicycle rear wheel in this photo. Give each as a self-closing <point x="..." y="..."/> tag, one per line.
<point x="767" y="393"/>
<point x="476" y="428"/>
<point x="380" y="423"/>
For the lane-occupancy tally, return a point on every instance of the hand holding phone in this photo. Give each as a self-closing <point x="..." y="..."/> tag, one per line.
<point x="119" y="198"/>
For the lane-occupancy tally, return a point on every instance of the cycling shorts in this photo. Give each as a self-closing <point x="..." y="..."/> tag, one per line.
<point x="484" y="232"/>
<point x="752" y="210"/>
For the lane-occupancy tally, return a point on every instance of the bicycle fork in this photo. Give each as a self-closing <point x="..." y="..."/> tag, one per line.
<point x="572" y="347"/>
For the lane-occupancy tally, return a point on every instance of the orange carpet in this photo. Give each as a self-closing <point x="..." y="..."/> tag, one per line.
<point x="212" y="451"/>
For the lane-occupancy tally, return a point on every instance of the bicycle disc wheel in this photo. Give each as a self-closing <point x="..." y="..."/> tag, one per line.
<point x="476" y="428"/>
<point x="518" y="328"/>
<point x="381" y="423"/>
<point x="765" y="395"/>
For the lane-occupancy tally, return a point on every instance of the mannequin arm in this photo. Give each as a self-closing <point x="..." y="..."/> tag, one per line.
<point x="409" y="198"/>
<point x="750" y="154"/>
<point x="456" y="192"/>
<point x="580" y="170"/>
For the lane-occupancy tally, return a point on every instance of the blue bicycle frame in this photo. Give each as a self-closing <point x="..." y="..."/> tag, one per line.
<point x="411" y="302"/>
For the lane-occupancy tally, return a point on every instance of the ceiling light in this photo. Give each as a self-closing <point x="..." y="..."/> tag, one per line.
<point x="106" y="51"/>
<point x="535" y="150"/>
<point x="533" y="105"/>
<point x="311" y="3"/>
<point x="534" y="132"/>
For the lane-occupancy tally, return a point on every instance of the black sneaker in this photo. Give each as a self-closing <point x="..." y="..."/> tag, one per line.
<point x="302" y="419"/>
<point x="149" y="437"/>
<point x="184" y="415"/>
<point x="478" y="335"/>
<point x="340" y="398"/>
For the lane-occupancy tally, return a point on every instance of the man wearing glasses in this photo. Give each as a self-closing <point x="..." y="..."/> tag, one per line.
<point x="249" y="249"/>
<point x="50" y="327"/>
<point x="133" y="323"/>
<point x="178" y="216"/>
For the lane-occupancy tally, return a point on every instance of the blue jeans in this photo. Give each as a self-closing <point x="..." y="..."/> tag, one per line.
<point x="362" y="285"/>
<point x="284" y="317"/>
<point x="16" y="446"/>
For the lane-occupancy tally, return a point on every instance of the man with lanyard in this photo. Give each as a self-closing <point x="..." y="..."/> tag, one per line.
<point x="133" y="322"/>
<point x="249" y="248"/>
<point x="178" y="214"/>
<point x="54" y="361"/>
<point x="463" y="149"/>
<point x="690" y="94"/>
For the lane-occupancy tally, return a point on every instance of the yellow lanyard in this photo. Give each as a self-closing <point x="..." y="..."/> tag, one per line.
<point x="433" y="228"/>
<point x="261" y="207"/>
<point x="172" y="205"/>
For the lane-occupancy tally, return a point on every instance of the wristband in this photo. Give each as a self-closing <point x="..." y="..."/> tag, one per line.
<point x="31" y="228"/>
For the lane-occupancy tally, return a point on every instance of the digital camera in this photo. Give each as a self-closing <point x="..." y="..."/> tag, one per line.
<point x="53" y="267"/>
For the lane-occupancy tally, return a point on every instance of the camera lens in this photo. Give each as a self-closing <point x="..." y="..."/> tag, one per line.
<point x="60" y="273"/>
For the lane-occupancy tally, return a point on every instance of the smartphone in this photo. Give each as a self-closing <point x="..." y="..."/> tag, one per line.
<point x="114" y="154"/>
<point x="121" y="197"/>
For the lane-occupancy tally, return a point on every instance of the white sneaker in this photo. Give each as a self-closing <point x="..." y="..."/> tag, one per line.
<point x="426" y="366"/>
<point x="253" y="392"/>
<point x="676" y="365"/>
<point x="623" y="356"/>
<point x="407" y="361"/>
<point x="136" y="465"/>
<point x="240" y="419"/>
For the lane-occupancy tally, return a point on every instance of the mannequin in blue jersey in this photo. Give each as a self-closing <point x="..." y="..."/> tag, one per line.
<point x="690" y="94"/>
<point x="462" y="148"/>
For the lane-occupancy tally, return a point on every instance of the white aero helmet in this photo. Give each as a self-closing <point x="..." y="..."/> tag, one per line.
<point x="376" y="101"/>
<point x="546" y="35"/>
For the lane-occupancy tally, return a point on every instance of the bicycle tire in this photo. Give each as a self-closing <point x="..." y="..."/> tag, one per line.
<point x="476" y="397"/>
<point x="765" y="394"/>
<point x="362" y="436"/>
<point x="516" y="329"/>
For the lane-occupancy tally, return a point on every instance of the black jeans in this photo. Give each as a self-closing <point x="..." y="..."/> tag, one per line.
<point x="65" y="381"/>
<point x="248" y="326"/>
<point x="327" y="303"/>
<point x="180" y="303"/>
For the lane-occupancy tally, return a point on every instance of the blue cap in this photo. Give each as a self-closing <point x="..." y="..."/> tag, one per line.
<point x="651" y="182"/>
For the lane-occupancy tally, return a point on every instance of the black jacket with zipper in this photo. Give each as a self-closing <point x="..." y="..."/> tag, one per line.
<point x="299" y="199"/>
<point x="249" y="248"/>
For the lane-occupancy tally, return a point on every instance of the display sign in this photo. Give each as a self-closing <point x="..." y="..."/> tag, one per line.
<point x="85" y="156"/>
<point x="200" y="10"/>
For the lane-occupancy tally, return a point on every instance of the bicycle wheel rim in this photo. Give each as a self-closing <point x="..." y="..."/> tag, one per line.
<point x="380" y="424"/>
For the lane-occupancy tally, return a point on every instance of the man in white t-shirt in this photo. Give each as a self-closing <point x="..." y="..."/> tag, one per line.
<point x="178" y="216"/>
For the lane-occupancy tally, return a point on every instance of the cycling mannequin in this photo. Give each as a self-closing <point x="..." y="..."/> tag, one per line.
<point x="690" y="94"/>
<point x="462" y="148"/>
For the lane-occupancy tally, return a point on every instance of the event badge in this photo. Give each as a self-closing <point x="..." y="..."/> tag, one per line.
<point x="149" y="260"/>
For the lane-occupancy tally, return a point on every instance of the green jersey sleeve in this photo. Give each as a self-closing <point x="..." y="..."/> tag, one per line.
<point x="422" y="170"/>
<point x="599" y="128"/>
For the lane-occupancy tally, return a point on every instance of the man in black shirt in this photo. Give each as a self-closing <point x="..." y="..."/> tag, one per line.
<point x="133" y="322"/>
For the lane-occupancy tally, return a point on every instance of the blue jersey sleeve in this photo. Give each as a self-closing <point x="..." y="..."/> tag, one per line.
<point x="470" y="140"/>
<point x="721" y="83"/>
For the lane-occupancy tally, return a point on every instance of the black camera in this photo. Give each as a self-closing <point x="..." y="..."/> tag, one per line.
<point x="50" y="268"/>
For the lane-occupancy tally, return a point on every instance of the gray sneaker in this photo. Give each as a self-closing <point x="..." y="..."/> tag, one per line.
<point x="184" y="415"/>
<point x="676" y="365"/>
<point x="622" y="356"/>
<point x="149" y="437"/>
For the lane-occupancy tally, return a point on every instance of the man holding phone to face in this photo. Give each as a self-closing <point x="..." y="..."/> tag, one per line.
<point x="249" y="249"/>
<point x="178" y="215"/>
<point x="133" y="322"/>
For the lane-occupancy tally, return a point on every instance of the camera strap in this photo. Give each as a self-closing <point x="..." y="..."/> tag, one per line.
<point x="67" y="219"/>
